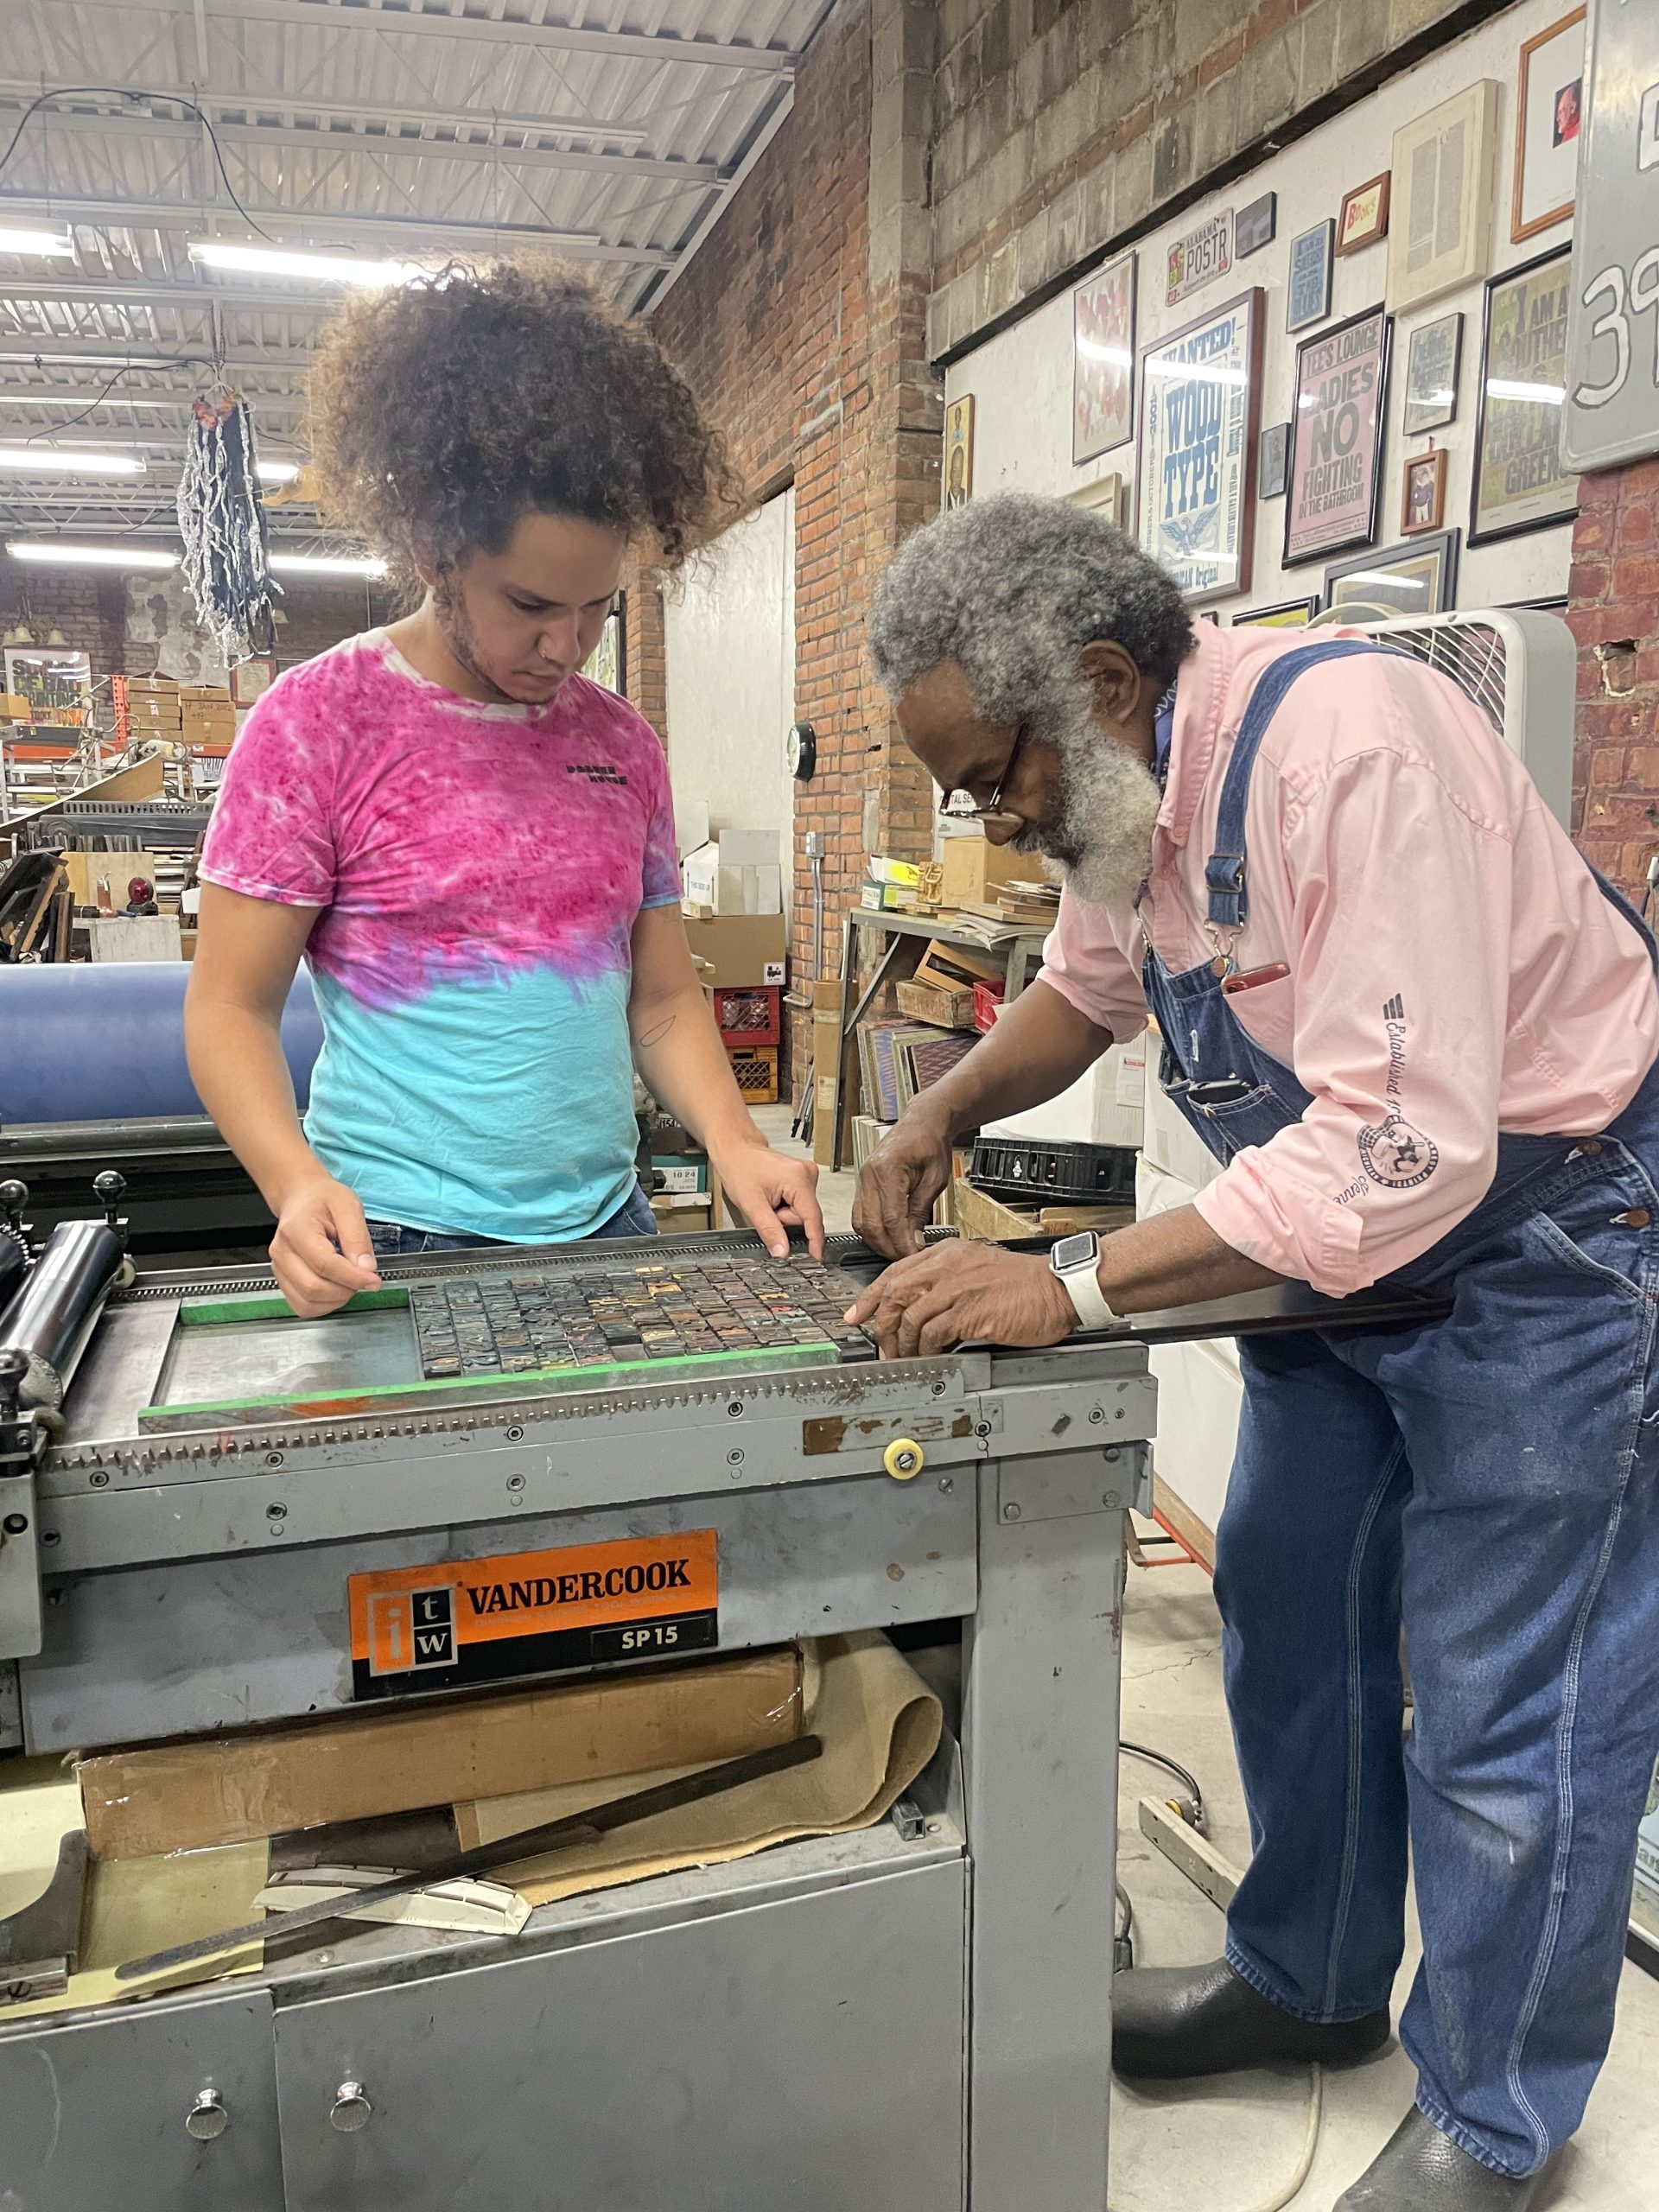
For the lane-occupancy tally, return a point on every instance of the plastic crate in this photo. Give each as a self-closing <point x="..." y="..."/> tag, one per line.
<point x="1012" y="1167"/>
<point x="756" y="1071"/>
<point x="987" y="1004"/>
<point x="749" y="1014"/>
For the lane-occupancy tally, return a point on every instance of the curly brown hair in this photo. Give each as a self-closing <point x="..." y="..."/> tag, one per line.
<point x="443" y="412"/>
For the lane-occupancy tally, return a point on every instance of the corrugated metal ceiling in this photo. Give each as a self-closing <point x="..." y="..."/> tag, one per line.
<point x="609" y="132"/>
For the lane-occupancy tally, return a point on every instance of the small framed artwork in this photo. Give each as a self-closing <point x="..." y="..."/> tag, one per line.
<point x="959" y="453"/>
<point x="1105" y="496"/>
<point x="1418" y="578"/>
<point x="1422" y="495"/>
<point x="1199" y="407"/>
<point x="1289" y="614"/>
<point x="1432" y="358"/>
<point x="1441" y="235"/>
<point x="1102" y="361"/>
<point x="1549" y="95"/>
<point x="1254" y="226"/>
<point x="251" y="678"/>
<point x="1520" y="481"/>
<point x="1199" y="258"/>
<point x="1272" y="462"/>
<point x="1336" y="439"/>
<point x="1365" y="217"/>
<point x="1307" y="291"/>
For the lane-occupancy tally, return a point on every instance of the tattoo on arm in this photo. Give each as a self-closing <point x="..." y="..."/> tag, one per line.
<point x="649" y="1037"/>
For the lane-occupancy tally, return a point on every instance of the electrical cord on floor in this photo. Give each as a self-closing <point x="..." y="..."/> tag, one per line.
<point x="1170" y="1766"/>
<point x="1291" y="2188"/>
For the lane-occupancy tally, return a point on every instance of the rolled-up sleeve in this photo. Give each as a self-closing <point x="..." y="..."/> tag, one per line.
<point x="1399" y="964"/>
<point x="1085" y="961"/>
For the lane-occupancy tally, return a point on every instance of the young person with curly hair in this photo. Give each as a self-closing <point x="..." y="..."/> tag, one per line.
<point x="470" y="843"/>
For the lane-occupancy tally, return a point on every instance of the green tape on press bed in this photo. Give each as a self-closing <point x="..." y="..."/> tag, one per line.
<point x="347" y="1403"/>
<point x="267" y="1305"/>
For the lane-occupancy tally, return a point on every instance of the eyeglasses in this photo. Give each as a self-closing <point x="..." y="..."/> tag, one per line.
<point x="949" y="811"/>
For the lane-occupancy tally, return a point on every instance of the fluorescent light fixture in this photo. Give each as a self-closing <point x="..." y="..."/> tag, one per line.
<point x="276" y="472"/>
<point x="1547" y="395"/>
<point x="69" y="552"/>
<point x="48" y="461"/>
<point x="327" y="268"/>
<point x="1195" y="372"/>
<point x="327" y="565"/>
<point x="1395" y="582"/>
<point x="41" y="242"/>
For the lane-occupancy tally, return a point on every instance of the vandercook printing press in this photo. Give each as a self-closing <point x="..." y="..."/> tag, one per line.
<point x="559" y="1464"/>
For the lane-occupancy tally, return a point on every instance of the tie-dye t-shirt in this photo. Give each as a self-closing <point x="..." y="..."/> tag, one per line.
<point x="480" y="870"/>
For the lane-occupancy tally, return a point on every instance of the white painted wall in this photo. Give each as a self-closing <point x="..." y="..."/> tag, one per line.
<point x="1022" y="380"/>
<point x="729" y="628"/>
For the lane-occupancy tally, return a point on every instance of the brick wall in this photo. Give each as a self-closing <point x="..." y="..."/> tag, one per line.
<point x="1613" y="609"/>
<point x="1061" y="126"/>
<point x="322" y="611"/>
<point x="800" y="324"/>
<point x="88" y="606"/>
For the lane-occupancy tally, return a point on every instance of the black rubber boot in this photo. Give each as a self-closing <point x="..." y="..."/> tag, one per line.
<point x="1419" y="2169"/>
<point x="1170" y="2023"/>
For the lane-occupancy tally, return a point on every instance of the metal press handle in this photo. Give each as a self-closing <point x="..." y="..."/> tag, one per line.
<point x="351" y="2108"/>
<point x="208" y="2117"/>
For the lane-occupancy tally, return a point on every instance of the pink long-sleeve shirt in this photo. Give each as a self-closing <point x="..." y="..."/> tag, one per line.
<point x="1434" y="915"/>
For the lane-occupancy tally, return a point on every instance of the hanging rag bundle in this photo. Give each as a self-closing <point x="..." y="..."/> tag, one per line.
<point x="222" y="521"/>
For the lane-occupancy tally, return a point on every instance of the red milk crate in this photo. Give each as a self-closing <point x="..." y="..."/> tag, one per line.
<point x="749" y="1014"/>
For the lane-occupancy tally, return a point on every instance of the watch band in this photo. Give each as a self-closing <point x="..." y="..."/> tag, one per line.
<point x="1081" y="1284"/>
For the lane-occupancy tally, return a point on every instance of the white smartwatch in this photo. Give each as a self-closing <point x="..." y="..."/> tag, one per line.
<point x="1074" y="1259"/>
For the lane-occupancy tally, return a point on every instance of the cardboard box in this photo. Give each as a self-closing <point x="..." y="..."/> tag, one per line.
<point x="826" y="1061"/>
<point x="684" y="1213"/>
<point x="972" y="868"/>
<point x="710" y="878"/>
<point x="358" y="1767"/>
<point x="740" y="948"/>
<point x="14" y="707"/>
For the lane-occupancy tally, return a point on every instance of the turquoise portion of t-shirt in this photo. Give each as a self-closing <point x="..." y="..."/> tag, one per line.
<point x="502" y="1106"/>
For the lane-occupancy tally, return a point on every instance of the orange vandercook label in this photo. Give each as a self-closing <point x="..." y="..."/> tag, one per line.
<point x="482" y="1620"/>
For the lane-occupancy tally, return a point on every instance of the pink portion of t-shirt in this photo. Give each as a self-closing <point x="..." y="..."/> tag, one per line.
<point x="1438" y="926"/>
<point x="447" y="841"/>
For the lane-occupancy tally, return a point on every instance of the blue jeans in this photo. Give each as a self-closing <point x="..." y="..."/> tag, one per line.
<point x="1492" y="1480"/>
<point x="392" y="1241"/>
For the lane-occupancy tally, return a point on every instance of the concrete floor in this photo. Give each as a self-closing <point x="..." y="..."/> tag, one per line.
<point x="1232" y="2146"/>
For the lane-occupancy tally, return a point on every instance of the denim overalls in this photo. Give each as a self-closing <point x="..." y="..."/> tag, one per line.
<point x="1492" y="1480"/>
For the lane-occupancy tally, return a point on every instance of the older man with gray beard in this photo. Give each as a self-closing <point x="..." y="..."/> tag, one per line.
<point x="1420" y="1035"/>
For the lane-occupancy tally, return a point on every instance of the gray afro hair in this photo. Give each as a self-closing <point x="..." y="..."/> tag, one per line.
<point x="1011" y="587"/>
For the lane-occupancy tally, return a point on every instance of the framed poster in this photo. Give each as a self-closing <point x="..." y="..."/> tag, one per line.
<point x="1422" y="493"/>
<point x="1272" y="462"/>
<point x="1307" y="290"/>
<point x="1520" y="481"/>
<point x="1365" y="217"/>
<point x="55" y="680"/>
<point x="1199" y="258"/>
<point x="1103" y="496"/>
<point x="1289" y="614"/>
<point x="1421" y="578"/>
<point x="1433" y="358"/>
<point x="1441" y="230"/>
<point x="1102" y="361"/>
<point x="959" y="452"/>
<point x="1200" y="401"/>
<point x="1255" y="226"/>
<point x="1548" y="106"/>
<point x="1336" y="438"/>
<point x="252" y="678"/>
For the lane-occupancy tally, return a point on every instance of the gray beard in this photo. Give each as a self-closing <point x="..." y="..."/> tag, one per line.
<point x="1101" y="841"/>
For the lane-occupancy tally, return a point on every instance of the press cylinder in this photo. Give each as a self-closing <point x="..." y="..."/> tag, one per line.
<point x="14" y="1266"/>
<point x="51" y="1317"/>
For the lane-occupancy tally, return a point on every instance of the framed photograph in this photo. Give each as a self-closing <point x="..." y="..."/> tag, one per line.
<point x="1289" y="614"/>
<point x="959" y="452"/>
<point x="1105" y="496"/>
<point x="1423" y="493"/>
<point x="1365" y="217"/>
<point x="1199" y="258"/>
<point x="1420" y="578"/>
<point x="1308" y="290"/>
<point x="1549" y="94"/>
<point x="252" y="678"/>
<point x="1102" y="361"/>
<point x="1441" y="233"/>
<point x="1254" y="226"/>
<point x="1521" y="482"/>
<point x="1432" y="358"/>
<point x="1272" y="462"/>
<point x="1199" y="414"/>
<point x="1336" y="438"/>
